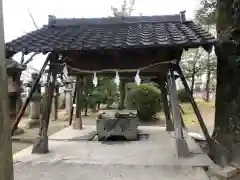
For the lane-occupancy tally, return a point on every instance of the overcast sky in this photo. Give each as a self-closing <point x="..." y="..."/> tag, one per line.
<point x="17" y="21"/>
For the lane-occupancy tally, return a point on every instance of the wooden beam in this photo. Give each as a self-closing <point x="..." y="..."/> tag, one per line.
<point x="121" y="59"/>
<point x="6" y="162"/>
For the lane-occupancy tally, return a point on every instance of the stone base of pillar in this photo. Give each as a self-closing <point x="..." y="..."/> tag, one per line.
<point x="35" y="107"/>
<point x="33" y="123"/>
<point x="77" y="124"/>
<point x="41" y="145"/>
<point x="18" y="131"/>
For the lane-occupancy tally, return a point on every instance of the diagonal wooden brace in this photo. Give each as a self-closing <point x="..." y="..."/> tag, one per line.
<point x="182" y="147"/>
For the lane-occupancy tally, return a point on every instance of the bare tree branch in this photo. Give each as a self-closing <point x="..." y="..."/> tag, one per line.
<point x="35" y="24"/>
<point x="132" y="3"/>
<point x="34" y="54"/>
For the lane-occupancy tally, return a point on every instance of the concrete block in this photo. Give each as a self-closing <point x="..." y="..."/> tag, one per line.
<point x="226" y="172"/>
<point x="182" y="148"/>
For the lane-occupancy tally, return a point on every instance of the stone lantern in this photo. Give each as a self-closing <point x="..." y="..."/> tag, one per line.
<point x="35" y="102"/>
<point x="68" y="95"/>
<point x="14" y="70"/>
<point x="55" y="101"/>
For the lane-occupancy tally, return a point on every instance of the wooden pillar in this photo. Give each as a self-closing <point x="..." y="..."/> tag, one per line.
<point x="55" y="103"/>
<point x="78" y="118"/>
<point x="6" y="163"/>
<point x="182" y="147"/>
<point x="73" y="100"/>
<point x="122" y="94"/>
<point x="41" y="145"/>
<point x="164" y="93"/>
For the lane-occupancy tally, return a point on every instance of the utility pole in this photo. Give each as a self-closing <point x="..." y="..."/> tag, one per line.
<point x="6" y="161"/>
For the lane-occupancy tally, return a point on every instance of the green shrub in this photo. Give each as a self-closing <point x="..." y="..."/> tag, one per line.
<point x="146" y="98"/>
<point x="182" y="96"/>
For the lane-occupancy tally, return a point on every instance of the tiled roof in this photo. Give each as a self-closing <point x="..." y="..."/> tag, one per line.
<point x="111" y="33"/>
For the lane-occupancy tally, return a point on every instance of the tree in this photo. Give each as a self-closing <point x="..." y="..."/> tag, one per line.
<point x="227" y="116"/>
<point x="109" y="90"/>
<point x="104" y="93"/>
<point x="146" y="98"/>
<point x="210" y="68"/>
<point x="6" y="165"/>
<point x="192" y="65"/>
<point x="125" y="10"/>
<point x="205" y="16"/>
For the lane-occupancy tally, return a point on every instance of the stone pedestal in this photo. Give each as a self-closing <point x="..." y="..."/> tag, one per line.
<point x="68" y="97"/>
<point x="54" y="113"/>
<point x="35" y="107"/>
<point x="61" y="101"/>
<point x="27" y="111"/>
